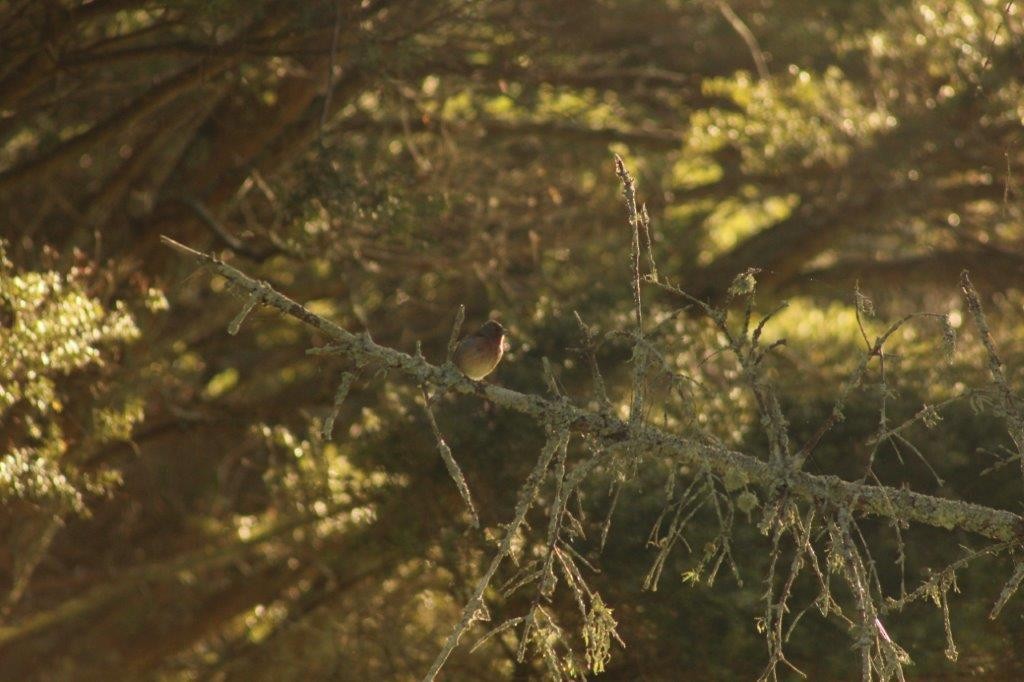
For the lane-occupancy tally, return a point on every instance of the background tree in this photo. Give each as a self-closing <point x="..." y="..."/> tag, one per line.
<point x="172" y="505"/>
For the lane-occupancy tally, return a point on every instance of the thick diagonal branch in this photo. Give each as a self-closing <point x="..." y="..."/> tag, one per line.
<point x="880" y="501"/>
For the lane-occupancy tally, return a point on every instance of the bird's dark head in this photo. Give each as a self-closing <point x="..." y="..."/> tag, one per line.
<point x="491" y="330"/>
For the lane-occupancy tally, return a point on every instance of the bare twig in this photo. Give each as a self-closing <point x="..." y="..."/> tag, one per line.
<point x="460" y="317"/>
<point x="449" y="461"/>
<point x="327" y="432"/>
<point x="748" y="37"/>
<point x="329" y="90"/>
<point x="595" y="369"/>
<point x="645" y="224"/>
<point x="629" y="196"/>
<point x="636" y="407"/>
<point x="1011" y="587"/>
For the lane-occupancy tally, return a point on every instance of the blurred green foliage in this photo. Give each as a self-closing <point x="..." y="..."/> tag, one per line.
<point x="53" y="328"/>
<point x="171" y="508"/>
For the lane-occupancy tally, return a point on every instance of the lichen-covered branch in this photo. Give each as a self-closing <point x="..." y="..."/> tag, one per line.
<point x="1009" y="401"/>
<point x="636" y="407"/>
<point x="860" y="498"/>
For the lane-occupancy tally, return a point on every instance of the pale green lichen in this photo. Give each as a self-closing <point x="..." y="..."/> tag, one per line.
<point x="598" y="631"/>
<point x="735" y="479"/>
<point x="746" y="502"/>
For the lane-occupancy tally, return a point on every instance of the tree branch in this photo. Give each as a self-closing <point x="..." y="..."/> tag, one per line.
<point x="880" y="501"/>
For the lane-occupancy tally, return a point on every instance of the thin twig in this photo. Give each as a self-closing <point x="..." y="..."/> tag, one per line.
<point x="460" y="317"/>
<point x="636" y="407"/>
<point x="748" y="37"/>
<point x="330" y="69"/>
<point x="645" y="223"/>
<point x="327" y="432"/>
<point x="595" y="369"/>
<point x="449" y="461"/>
<point x="1008" y="400"/>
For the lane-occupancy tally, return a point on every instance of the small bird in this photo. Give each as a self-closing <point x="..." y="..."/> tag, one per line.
<point x="479" y="353"/>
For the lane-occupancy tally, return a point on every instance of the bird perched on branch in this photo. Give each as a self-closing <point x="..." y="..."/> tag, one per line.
<point x="480" y="352"/>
